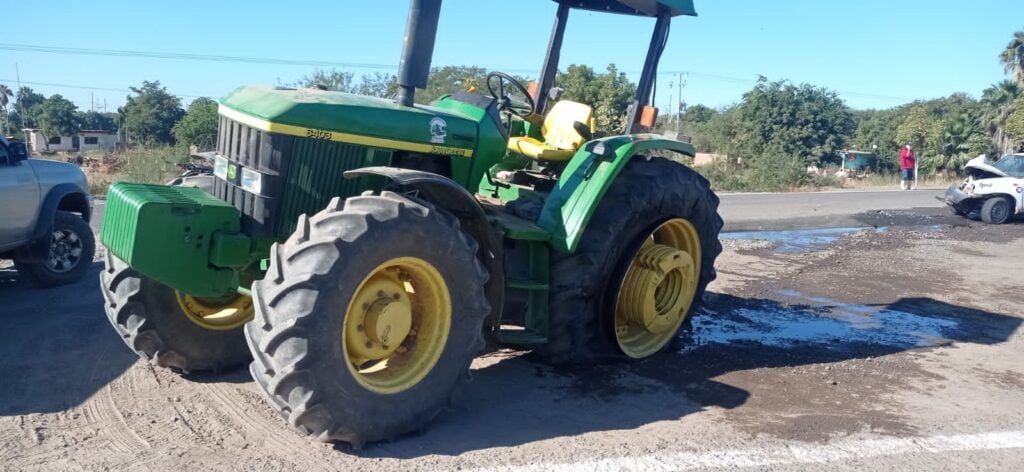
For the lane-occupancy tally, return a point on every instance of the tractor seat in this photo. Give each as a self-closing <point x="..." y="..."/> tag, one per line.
<point x="560" y="136"/>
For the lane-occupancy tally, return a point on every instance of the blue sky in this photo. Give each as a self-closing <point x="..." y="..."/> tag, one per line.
<point x="875" y="53"/>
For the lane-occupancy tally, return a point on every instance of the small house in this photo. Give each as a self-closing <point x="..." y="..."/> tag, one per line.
<point x="85" y="140"/>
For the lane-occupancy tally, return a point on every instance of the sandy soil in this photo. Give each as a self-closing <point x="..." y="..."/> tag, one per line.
<point x="910" y="331"/>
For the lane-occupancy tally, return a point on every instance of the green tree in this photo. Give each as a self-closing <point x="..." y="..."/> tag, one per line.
<point x="610" y="94"/>
<point x="378" y="85"/>
<point x="334" y="80"/>
<point x="96" y="120"/>
<point x="914" y="128"/>
<point x="876" y="131"/>
<point x="150" y="114"/>
<point x="57" y="117"/>
<point x="450" y="79"/>
<point x="26" y="107"/>
<point x="778" y="119"/>
<point x="6" y="94"/>
<point x="953" y="140"/>
<point x="945" y="132"/>
<point x="699" y="114"/>
<point x="1015" y="127"/>
<point x="199" y="126"/>
<point x="998" y="103"/>
<point x="1012" y="57"/>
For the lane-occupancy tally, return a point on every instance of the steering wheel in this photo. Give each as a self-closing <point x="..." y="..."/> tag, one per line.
<point x="519" y="107"/>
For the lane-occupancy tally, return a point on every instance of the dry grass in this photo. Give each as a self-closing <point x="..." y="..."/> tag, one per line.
<point x="893" y="181"/>
<point x="145" y="165"/>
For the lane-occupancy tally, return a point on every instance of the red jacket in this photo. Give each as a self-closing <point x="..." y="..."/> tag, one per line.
<point x="907" y="159"/>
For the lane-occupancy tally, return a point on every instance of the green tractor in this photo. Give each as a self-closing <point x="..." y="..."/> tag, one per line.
<point x="359" y="250"/>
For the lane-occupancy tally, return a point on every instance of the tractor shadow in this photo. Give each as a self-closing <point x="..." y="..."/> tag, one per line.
<point x="56" y="346"/>
<point x="514" y="401"/>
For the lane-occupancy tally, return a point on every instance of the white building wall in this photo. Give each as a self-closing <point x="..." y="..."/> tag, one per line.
<point x="38" y="142"/>
<point x="104" y="142"/>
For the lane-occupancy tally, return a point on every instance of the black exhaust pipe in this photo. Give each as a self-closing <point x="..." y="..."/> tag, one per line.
<point x="418" y="49"/>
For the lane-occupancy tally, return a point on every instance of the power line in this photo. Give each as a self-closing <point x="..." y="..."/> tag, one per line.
<point x="334" y="64"/>
<point x="189" y="56"/>
<point x="86" y="87"/>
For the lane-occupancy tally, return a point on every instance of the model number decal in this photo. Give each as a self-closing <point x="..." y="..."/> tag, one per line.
<point x="318" y="134"/>
<point x="446" y="151"/>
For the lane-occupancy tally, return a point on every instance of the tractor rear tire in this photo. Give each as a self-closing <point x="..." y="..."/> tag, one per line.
<point x="305" y="305"/>
<point x="645" y="194"/>
<point x="996" y="210"/>
<point x="149" y="319"/>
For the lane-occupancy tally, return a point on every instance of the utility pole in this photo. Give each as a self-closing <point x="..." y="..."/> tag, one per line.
<point x="21" y="110"/>
<point x="679" y="106"/>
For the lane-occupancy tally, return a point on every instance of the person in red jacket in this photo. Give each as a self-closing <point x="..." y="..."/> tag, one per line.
<point x="907" y="161"/>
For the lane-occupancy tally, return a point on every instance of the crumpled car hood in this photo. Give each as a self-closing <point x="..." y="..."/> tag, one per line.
<point x="981" y="164"/>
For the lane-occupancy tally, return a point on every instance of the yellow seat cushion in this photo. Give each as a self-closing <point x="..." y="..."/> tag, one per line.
<point x="559" y="130"/>
<point x="560" y="136"/>
<point x="535" y="149"/>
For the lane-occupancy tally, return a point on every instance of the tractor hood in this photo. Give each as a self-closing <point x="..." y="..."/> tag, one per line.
<point x="981" y="163"/>
<point x="357" y="119"/>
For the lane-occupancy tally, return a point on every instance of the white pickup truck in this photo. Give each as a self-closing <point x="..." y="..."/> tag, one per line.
<point x="45" y="208"/>
<point x="992" y="192"/>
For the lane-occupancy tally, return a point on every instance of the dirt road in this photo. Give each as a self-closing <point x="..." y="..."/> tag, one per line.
<point x="896" y="348"/>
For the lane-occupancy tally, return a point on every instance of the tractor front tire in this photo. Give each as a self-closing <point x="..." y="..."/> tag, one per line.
<point x="350" y="275"/>
<point x="150" y="319"/>
<point x="647" y="194"/>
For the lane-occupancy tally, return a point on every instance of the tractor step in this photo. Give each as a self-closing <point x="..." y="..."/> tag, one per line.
<point x="514" y="227"/>
<point x="526" y="284"/>
<point x="534" y="281"/>
<point x="520" y="337"/>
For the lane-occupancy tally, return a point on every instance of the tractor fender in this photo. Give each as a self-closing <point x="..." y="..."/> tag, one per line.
<point x="587" y="177"/>
<point x="65" y="196"/>
<point x="449" y="195"/>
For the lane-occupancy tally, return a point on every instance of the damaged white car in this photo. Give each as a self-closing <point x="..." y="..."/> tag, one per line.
<point x="992" y="192"/>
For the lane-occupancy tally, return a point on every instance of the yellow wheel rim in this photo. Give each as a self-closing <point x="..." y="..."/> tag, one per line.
<point x="218" y="316"/>
<point x="658" y="289"/>
<point x="396" y="325"/>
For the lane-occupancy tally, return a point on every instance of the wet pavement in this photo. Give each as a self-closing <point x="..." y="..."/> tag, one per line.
<point x="818" y="322"/>
<point x="794" y="241"/>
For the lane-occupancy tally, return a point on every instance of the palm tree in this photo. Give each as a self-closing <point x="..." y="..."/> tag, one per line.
<point x="1013" y="57"/>
<point x="5" y="95"/>
<point x="998" y="103"/>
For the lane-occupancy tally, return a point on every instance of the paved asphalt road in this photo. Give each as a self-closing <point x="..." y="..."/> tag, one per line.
<point x="800" y="210"/>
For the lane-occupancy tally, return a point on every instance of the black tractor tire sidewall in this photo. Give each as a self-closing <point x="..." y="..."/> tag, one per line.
<point x="339" y="407"/>
<point x="147" y="315"/>
<point x="41" y="274"/>
<point x="990" y="206"/>
<point x="645" y="194"/>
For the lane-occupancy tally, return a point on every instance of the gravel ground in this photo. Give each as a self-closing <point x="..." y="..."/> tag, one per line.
<point x="878" y="349"/>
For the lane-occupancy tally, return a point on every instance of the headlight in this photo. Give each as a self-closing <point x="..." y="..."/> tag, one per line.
<point x="220" y="167"/>
<point x="969" y="189"/>
<point x="252" y="180"/>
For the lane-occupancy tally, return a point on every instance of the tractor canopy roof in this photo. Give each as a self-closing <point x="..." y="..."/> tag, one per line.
<point x="635" y="7"/>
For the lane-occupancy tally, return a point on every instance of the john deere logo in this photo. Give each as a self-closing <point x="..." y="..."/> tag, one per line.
<point x="438" y="130"/>
<point x="232" y="171"/>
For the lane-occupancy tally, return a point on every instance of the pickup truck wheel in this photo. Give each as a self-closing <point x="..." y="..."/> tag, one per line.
<point x="995" y="211"/>
<point x="72" y="247"/>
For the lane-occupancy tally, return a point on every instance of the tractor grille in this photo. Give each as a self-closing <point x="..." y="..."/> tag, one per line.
<point x="300" y="175"/>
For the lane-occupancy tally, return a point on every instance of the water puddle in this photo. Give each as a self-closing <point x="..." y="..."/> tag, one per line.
<point x="819" y="322"/>
<point x="798" y="240"/>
